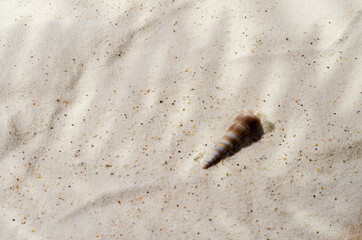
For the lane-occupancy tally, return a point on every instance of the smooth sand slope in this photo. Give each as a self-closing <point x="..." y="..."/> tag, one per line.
<point x="110" y="108"/>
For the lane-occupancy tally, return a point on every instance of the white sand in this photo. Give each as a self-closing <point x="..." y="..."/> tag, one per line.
<point x="109" y="109"/>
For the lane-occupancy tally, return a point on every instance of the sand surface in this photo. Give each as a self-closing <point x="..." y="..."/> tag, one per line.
<point x="110" y="108"/>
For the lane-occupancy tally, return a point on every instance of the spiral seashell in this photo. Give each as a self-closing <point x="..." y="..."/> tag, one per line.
<point x="244" y="124"/>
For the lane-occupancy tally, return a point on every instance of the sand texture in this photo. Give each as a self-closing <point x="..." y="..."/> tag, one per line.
<point x="110" y="108"/>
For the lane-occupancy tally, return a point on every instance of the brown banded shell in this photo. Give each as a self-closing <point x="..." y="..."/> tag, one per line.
<point x="244" y="124"/>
